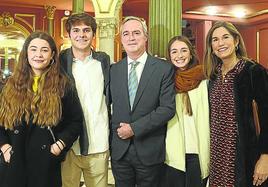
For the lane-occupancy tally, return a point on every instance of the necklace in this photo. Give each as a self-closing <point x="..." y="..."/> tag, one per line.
<point x="226" y="70"/>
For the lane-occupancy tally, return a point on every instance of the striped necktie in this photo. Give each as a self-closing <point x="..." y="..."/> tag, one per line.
<point x="132" y="82"/>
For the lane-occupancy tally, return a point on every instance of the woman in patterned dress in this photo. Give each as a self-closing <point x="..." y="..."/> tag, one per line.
<point x="239" y="157"/>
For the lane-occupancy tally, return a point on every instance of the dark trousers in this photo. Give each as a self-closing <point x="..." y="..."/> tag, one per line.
<point x="190" y="178"/>
<point x="130" y="172"/>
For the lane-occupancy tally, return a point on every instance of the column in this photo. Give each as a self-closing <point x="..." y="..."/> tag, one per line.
<point x="6" y="60"/>
<point x="201" y="30"/>
<point x="165" y="21"/>
<point x="107" y="17"/>
<point x="78" y="6"/>
<point x="50" y="10"/>
<point x="105" y="35"/>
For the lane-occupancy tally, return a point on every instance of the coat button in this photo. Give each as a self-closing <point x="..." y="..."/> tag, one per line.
<point x="11" y="152"/>
<point x="43" y="147"/>
<point x="16" y="131"/>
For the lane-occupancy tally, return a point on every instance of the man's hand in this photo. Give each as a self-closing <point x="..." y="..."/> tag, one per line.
<point x="125" y="131"/>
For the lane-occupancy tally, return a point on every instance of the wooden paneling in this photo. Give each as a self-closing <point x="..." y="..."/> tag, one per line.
<point x="263" y="47"/>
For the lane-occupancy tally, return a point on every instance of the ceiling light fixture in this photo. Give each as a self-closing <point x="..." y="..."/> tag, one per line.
<point x="240" y="13"/>
<point x="211" y="10"/>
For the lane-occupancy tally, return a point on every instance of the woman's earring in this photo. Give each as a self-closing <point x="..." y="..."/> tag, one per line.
<point x="52" y="61"/>
<point x="236" y="48"/>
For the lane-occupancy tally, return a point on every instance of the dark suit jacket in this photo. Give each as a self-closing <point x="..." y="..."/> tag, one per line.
<point x="66" y="58"/>
<point x="153" y="106"/>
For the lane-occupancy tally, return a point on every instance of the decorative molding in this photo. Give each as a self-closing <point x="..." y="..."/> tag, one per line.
<point x="62" y="27"/>
<point x="21" y="18"/>
<point x="6" y="19"/>
<point x="50" y="10"/>
<point x="24" y="31"/>
<point x="118" y="14"/>
<point x="106" y="27"/>
<point x="254" y="14"/>
<point x="258" y="46"/>
<point x="44" y="19"/>
<point x="107" y="9"/>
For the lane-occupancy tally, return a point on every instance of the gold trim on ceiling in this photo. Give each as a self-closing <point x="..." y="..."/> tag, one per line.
<point x="6" y="19"/>
<point x="20" y="17"/>
<point x="230" y="15"/>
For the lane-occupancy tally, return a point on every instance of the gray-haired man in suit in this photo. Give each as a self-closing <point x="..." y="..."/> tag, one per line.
<point x="143" y="100"/>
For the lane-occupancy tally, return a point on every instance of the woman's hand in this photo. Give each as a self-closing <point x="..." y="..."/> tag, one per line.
<point x="6" y="148"/>
<point x="57" y="147"/>
<point x="261" y="170"/>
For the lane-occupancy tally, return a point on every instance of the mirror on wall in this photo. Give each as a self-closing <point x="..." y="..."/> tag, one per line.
<point x="11" y="42"/>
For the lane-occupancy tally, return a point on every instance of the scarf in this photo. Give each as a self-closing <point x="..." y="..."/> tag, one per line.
<point x="189" y="79"/>
<point x="186" y="81"/>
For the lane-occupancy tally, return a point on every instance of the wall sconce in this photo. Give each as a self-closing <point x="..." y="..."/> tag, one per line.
<point x="66" y="12"/>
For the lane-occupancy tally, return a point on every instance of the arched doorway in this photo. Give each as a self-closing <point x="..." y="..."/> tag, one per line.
<point x="12" y="37"/>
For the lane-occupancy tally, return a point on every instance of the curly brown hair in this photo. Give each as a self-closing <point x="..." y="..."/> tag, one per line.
<point x="19" y="103"/>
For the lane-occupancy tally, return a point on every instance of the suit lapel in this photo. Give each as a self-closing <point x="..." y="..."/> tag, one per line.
<point x="145" y="77"/>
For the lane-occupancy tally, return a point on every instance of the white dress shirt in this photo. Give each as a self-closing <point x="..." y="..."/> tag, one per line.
<point x="89" y="83"/>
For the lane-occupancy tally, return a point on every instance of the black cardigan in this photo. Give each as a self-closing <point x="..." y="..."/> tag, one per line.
<point x="251" y="83"/>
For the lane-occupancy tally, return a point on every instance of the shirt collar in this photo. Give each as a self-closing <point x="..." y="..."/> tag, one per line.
<point x="87" y="59"/>
<point x="142" y="59"/>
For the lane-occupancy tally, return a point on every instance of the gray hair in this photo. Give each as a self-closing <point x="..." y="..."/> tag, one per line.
<point x="141" y="20"/>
